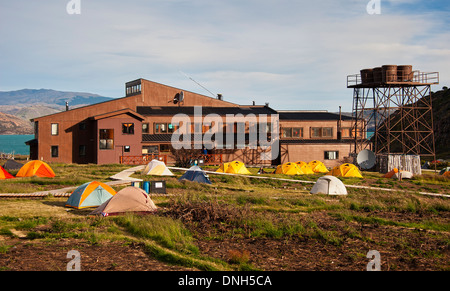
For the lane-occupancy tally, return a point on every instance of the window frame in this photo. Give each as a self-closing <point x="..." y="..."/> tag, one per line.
<point x="52" y="151"/>
<point x="109" y="141"/>
<point x="52" y="129"/>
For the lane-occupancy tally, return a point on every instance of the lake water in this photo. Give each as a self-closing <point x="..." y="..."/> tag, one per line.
<point x="15" y="143"/>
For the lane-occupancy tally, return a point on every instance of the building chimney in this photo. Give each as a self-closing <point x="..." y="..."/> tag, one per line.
<point x="67" y="105"/>
<point x="219" y="96"/>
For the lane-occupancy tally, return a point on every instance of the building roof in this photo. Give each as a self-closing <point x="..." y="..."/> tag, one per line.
<point x="311" y="115"/>
<point x="189" y="110"/>
<point x="119" y="112"/>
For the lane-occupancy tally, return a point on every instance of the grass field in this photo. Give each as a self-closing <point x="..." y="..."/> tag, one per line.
<point x="237" y="223"/>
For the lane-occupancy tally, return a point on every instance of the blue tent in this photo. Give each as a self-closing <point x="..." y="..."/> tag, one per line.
<point x="90" y="194"/>
<point x="195" y="174"/>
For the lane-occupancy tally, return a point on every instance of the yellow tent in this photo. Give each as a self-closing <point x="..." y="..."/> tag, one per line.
<point x="346" y="170"/>
<point x="306" y="169"/>
<point x="289" y="169"/>
<point x="234" y="167"/>
<point x="318" y="167"/>
<point x="36" y="168"/>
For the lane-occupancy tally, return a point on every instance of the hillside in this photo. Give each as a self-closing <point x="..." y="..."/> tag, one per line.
<point x="441" y="123"/>
<point x="18" y="107"/>
<point x="441" y="120"/>
<point x="10" y="124"/>
<point x="49" y="97"/>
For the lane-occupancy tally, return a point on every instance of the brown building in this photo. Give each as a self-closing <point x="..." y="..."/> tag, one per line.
<point x="140" y="126"/>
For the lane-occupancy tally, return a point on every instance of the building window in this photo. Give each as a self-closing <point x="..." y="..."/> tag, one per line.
<point x="172" y="127"/>
<point x="164" y="148"/>
<point x="286" y="132"/>
<point x="55" y="128"/>
<point x="331" y="155"/>
<point x="327" y="132"/>
<point x="128" y="128"/>
<point x="55" y="151"/>
<point x="145" y="128"/>
<point x="318" y="132"/>
<point x="82" y="150"/>
<point x="296" y="132"/>
<point x="160" y="127"/>
<point x="106" y="139"/>
<point x="153" y="149"/>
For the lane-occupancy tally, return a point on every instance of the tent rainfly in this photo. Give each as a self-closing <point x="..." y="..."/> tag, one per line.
<point x="4" y="174"/>
<point x="329" y="185"/>
<point x="157" y="168"/>
<point x="288" y="169"/>
<point x="195" y="174"/>
<point x="345" y="170"/>
<point x="234" y="167"/>
<point x="90" y="194"/>
<point x="36" y="168"/>
<point x="318" y="167"/>
<point x="128" y="200"/>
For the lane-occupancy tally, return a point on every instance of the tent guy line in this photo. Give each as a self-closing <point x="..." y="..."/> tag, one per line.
<point x="313" y="182"/>
<point x="123" y="178"/>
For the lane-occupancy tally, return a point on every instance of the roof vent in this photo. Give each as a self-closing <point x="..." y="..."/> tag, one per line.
<point x="219" y="97"/>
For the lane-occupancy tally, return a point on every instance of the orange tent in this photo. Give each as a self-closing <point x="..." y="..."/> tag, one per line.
<point x="36" y="168"/>
<point x="4" y="174"/>
<point x="391" y="173"/>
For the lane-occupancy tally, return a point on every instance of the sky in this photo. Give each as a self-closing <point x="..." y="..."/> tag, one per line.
<point x="292" y="54"/>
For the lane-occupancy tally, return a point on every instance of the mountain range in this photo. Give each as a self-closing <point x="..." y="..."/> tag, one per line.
<point x="18" y="107"/>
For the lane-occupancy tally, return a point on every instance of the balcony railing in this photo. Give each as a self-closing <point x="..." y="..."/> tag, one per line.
<point x="142" y="160"/>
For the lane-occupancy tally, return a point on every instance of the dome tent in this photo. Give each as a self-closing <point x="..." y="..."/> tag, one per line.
<point x="318" y="167"/>
<point x="288" y="169"/>
<point x="90" y="194"/>
<point x="128" y="200"/>
<point x="157" y="168"/>
<point x="306" y="169"/>
<point x="345" y="170"/>
<point x="4" y="174"/>
<point x="36" y="168"/>
<point x="234" y="167"/>
<point x="195" y="174"/>
<point x="329" y="185"/>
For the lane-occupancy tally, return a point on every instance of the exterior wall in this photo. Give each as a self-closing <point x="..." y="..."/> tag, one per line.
<point x="310" y="152"/>
<point x="112" y="156"/>
<point x="69" y="137"/>
<point x="308" y="124"/>
<point x="154" y="94"/>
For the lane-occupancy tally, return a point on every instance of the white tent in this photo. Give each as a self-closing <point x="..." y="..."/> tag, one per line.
<point x="403" y="175"/>
<point x="157" y="168"/>
<point x="329" y="185"/>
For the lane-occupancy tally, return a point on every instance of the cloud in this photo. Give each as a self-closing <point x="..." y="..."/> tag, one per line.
<point x="292" y="54"/>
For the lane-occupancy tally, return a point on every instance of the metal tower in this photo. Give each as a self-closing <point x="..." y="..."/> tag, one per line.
<point x="392" y="110"/>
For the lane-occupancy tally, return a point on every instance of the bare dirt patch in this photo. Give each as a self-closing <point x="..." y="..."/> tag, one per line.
<point x="36" y="255"/>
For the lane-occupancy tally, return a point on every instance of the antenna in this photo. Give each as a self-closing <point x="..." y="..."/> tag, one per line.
<point x="198" y="84"/>
<point x="366" y="159"/>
